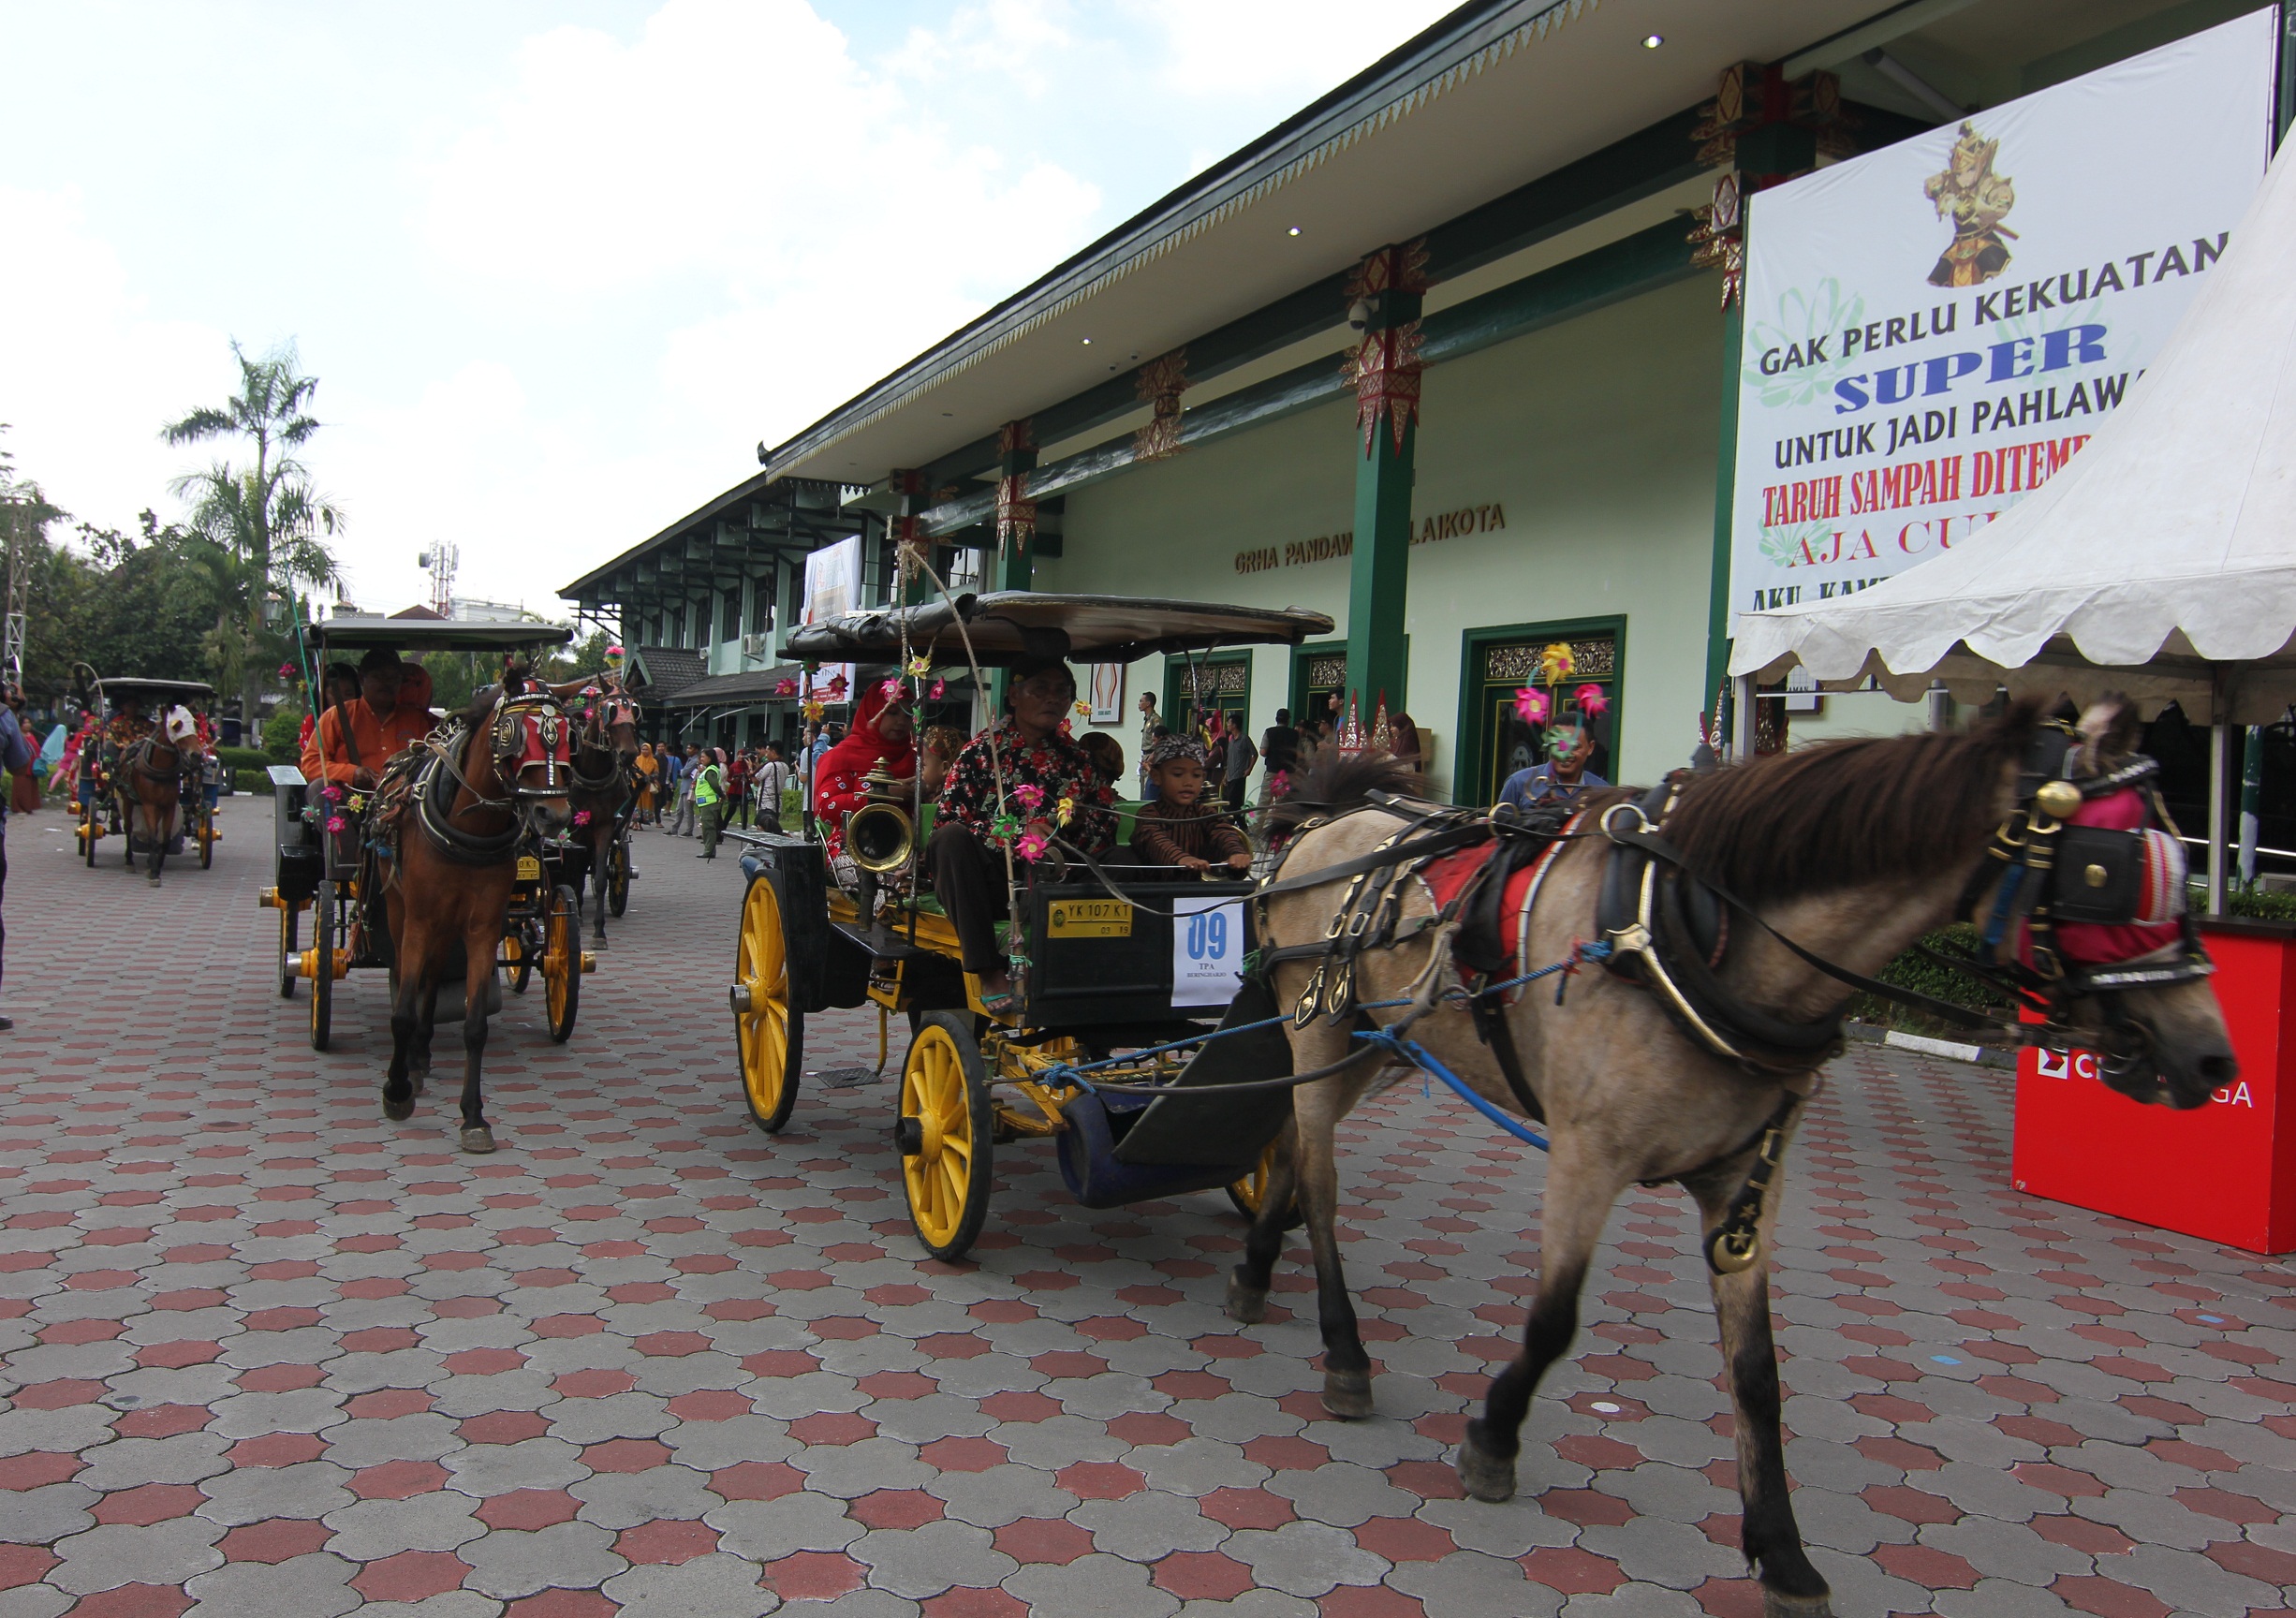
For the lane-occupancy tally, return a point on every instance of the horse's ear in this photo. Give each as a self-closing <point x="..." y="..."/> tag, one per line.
<point x="2110" y="729"/>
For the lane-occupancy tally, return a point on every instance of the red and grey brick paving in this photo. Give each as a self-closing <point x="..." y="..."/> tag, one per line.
<point x="267" y="1354"/>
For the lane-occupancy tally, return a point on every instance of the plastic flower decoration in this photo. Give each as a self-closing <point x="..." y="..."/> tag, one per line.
<point x="1531" y="705"/>
<point x="814" y="708"/>
<point x="337" y="824"/>
<point x="1556" y="663"/>
<point x="1591" y="700"/>
<point x="357" y="803"/>
<point x="332" y="793"/>
<point x="1031" y="846"/>
<point x="785" y="688"/>
<point x="1280" y="784"/>
<point x="1065" y="809"/>
<point x="613" y="650"/>
<point x="891" y="689"/>
<point x="581" y="818"/>
<point x="920" y="666"/>
<point x="286" y="671"/>
<point x="938" y="687"/>
<point x="1028" y="795"/>
<point x="1083" y="708"/>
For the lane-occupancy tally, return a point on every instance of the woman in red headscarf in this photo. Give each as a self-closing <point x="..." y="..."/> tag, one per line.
<point x="884" y="728"/>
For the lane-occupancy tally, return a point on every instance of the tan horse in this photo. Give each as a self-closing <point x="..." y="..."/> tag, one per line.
<point x="150" y="785"/>
<point x="1854" y="850"/>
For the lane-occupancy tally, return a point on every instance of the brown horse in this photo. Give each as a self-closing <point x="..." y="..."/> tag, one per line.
<point x="148" y="783"/>
<point x="1854" y="850"/>
<point x="602" y="793"/>
<point x="474" y="798"/>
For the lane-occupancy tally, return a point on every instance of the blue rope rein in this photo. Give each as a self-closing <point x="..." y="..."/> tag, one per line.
<point x="1409" y="1050"/>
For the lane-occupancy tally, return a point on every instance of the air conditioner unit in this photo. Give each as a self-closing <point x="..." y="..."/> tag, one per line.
<point x="756" y="648"/>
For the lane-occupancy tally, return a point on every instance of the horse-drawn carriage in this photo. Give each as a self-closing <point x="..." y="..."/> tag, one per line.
<point x="321" y="860"/>
<point x="140" y="783"/>
<point x="1129" y="965"/>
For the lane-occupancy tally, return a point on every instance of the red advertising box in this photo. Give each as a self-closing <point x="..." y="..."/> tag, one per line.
<point x="2225" y="1171"/>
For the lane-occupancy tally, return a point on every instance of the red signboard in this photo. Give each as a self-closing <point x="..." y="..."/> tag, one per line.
<point x="2225" y="1171"/>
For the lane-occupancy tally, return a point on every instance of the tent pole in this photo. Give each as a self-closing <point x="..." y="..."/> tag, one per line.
<point x="2219" y="737"/>
<point x="1742" y="720"/>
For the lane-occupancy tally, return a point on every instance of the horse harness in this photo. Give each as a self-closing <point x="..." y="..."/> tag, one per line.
<point x="522" y="729"/>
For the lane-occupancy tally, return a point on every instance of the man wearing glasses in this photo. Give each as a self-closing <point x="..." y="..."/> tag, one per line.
<point x="1043" y="770"/>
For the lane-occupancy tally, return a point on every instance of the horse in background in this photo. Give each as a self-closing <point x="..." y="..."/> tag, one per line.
<point x="455" y="816"/>
<point x="1852" y="848"/>
<point x="604" y="790"/>
<point x="148" y="784"/>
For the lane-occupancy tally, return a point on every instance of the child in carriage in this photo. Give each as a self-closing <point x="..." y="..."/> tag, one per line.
<point x="1177" y="828"/>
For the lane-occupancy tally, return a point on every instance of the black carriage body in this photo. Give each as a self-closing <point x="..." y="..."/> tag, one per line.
<point x="298" y="859"/>
<point x="1098" y="961"/>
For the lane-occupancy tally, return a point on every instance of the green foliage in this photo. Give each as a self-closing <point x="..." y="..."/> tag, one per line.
<point x="254" y="781"/>
<point x="282" y="731"/>
<point x="2260" y="905"/>
<point x="454" y="676"/>
<point x="236" y="759"/>
<point x="1923" y="975"/>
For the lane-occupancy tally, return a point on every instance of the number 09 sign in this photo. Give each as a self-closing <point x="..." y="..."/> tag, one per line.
<point x="1207" y="952"/>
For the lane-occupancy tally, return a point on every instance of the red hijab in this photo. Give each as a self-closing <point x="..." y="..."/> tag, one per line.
<point x="839" y="787"/>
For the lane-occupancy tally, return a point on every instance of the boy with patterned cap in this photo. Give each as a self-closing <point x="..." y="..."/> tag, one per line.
<point x="1177" y="829"/>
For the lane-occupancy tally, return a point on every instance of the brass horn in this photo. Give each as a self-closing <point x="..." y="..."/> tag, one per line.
<point x="879" y="835"/>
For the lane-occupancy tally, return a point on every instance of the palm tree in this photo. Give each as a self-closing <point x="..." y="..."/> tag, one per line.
<point x="268" y="515"/>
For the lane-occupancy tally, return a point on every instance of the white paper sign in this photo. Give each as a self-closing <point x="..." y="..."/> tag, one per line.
<point x="832" y="589"/>
<point x="1207" y="952"/>
<point x="1933" y="330"/>
<point x="1107" y="692"/>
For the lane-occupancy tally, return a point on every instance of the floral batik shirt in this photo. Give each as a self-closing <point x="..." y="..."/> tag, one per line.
<point x="1052" y="781"/>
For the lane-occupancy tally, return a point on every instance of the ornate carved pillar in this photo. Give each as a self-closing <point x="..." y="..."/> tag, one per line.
<point x="1016" y="513"/>
<point x="1384" y="295"/>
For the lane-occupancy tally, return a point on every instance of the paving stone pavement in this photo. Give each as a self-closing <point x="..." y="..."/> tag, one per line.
<point x="267" y="1354"/>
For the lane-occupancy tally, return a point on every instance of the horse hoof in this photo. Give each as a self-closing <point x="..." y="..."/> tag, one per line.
<point x="597" y="942"/>
<point x="1247" y="1304"/>
<point x="1485" y="1477"/>
<point x="478" y="1140"/>
<point x="399" y="1109"/>
<point x="420" y="1078"/>
<point x="1776" y="1604"/>
<point x="1347" y="1394"/>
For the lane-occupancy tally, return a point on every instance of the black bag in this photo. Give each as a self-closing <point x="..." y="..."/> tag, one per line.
<point x="2100" y="875"/>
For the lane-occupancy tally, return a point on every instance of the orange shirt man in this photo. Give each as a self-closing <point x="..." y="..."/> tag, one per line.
<point x="380" y="726"/>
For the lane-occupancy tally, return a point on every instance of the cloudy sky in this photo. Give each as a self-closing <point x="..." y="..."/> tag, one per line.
<point x="559" y="267"/>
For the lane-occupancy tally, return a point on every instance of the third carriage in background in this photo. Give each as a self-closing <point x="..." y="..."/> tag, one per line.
<point x="141" y="781"/>
<point x="1124" y="961"/>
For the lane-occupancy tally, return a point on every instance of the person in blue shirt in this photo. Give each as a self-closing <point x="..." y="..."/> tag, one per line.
<point x="1563" y="778"/>
<point x="16" y="755"/>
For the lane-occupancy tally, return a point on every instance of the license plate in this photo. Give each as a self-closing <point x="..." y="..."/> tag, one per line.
<point x="529" y="868"/>
<point x="1089" y="919"/>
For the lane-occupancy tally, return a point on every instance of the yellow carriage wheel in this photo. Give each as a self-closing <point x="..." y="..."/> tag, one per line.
<point x="289" y="967"/>
<point x="769" y="1031"/>
<point x="1250" y="1193"/>
<point x="562" y="963"/>
<point x="944" y="1132"/>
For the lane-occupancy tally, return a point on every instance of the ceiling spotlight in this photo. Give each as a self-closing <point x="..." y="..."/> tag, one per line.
<point x="1293" y="231"/>
<point x="1087" y="342"/>
<point x="1652" y="41"/>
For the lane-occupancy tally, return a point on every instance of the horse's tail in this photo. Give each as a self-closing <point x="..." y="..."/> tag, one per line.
<point x="1336" y="783"/>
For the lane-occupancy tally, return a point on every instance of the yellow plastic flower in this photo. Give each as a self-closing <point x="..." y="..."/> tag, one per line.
<point x="1556" y="663"/>
<point x="1067" y="809"/>
<point x="1083" y="708"/>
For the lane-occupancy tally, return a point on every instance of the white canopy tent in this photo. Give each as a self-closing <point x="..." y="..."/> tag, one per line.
<point x="2160" y="562"/>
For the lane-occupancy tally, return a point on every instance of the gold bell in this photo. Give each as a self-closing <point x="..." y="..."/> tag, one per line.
<point x="2058" y="799"/>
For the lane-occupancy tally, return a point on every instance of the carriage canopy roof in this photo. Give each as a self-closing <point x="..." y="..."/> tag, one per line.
<point x="134" y="685"/>
<point x="1009" y="625"/>
<point x="417" y="635"/>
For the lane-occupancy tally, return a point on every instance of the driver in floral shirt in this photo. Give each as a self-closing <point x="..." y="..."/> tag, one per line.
<point x="1050" y="790"/>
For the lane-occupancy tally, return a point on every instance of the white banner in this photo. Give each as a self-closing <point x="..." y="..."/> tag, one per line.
<point x="832" y="589"/>
<point x="1933" y="329"/>
<point x="1207" y="952"/>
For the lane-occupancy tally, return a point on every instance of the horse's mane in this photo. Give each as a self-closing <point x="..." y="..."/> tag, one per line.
<point x="1338" y="781"/>
<point x="1856" y="810"/>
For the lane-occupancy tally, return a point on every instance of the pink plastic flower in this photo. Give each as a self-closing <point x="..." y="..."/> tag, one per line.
<point x="1028" y="795"/>
<point x="1280" y="784"/>
<point x="336" y="823"/>
<point x="581" y="818"/>
<point x="1531" y="705"/>
<point x="891" y="689"/>
<point x="938" y="687"/>
<point x="1591" y="700"/>
<point x="332" y="793"/>
<point x="286" y="671"/>
<point x="1031" y="846"/>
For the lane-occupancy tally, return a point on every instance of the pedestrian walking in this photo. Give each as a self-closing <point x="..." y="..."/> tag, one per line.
<point x="737" y="790"/>
<point x="1237" y="757"/>
<point x="682" y="808"/>
<point x="16" y="755"/>
<point x="709" y="799"/>
<point x="772" y="780"/>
